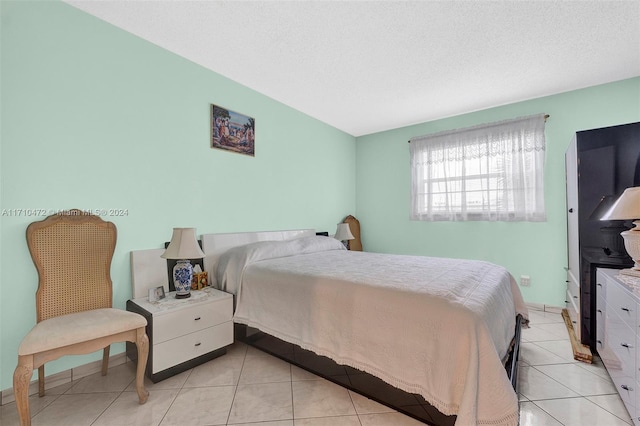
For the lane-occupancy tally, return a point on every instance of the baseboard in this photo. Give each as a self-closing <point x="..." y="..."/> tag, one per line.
<point x="66" y="376"/>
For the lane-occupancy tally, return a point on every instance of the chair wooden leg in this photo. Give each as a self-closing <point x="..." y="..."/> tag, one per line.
<point x="105" y="360"/>
<point x="21" y="378"/>
<point x="41" y="381"/>
<point x="142" y="343"/>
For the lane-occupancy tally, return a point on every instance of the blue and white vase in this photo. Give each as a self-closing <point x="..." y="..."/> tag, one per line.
<point x="182" y="276"/>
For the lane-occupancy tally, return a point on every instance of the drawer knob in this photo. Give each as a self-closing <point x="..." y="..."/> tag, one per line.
<point x="626" y="345"/>
<point x="599" y="342"/>
<point x="626" y="309"/>
<point x="599" y="310"/>
<point x="575" y="297"/>
<point x="599" y="284"/>
<point x="627" y="388"/>
<point x="197" y="319"/>
<point x="197" y="344"/>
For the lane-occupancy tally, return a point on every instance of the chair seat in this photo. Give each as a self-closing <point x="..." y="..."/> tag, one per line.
<point x="78" y="327"/>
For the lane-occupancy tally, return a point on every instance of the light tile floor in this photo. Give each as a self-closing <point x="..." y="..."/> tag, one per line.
<point x="248" y="387"/>
<point x="554" y="389"/>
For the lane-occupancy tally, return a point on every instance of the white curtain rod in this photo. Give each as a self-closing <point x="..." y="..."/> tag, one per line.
<point x="546" y="116"/>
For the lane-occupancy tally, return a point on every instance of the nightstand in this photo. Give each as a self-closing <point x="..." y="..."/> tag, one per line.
<point x="184" y="333"/>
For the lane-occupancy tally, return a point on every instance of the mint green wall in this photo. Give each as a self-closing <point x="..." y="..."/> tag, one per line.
<point x="94" y="117"/>
<point x="535" y="249"/>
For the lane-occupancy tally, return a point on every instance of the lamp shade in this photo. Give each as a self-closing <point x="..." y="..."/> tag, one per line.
<point x="626" y="207"/>
<point x="343" y="233"/>
<point x="183" y="245"/>
<point x="604" y="205"/>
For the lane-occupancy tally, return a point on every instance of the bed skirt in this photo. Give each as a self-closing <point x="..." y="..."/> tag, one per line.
<point x="365" y="384"/>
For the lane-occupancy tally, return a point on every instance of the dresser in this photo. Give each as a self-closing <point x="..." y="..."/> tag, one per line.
<point x="184" y="333"/>
<point x="618" y="331"/>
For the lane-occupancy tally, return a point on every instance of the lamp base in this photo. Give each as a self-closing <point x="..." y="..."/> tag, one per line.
<point x="613" y="241"/>
<point x="182" y="276"/>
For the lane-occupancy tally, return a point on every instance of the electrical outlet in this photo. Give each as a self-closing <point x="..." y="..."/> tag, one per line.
<point x="525" y="280"/>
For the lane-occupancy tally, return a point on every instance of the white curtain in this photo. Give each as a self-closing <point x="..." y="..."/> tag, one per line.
<point x="488" y="172"/>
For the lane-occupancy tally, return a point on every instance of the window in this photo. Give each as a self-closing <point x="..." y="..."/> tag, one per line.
<point x="488" y="172"/>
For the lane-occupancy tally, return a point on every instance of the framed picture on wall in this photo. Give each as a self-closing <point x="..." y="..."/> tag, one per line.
<point x="232" y="131"/>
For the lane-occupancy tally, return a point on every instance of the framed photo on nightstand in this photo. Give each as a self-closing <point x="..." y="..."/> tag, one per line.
<point x="156" y="293"/>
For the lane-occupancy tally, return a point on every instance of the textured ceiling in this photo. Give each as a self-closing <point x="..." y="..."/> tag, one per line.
<point x="369" y="66"/>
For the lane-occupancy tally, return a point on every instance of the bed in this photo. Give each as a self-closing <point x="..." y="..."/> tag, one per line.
<point x="441" y="329"/>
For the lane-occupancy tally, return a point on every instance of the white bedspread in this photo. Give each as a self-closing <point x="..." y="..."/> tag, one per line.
<point x="433" y="326"/>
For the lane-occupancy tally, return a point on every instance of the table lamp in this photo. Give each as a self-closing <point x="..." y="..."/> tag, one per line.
<point x="343" y="233"/>
<point x="627" y="207"/>
<point x="612" y="242"/>
<point x="183" y="247"/>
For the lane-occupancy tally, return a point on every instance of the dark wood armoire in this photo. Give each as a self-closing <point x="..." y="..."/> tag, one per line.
<point x="600" y="165"/>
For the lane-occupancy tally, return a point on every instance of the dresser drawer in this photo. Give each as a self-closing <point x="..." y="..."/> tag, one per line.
<point x="621" y="302"/>
<point x="635" y="416"/>
<point x="612" y="325"/>
<point x="574" y="311"/>
<point x="574" y="289"/>
<point x="184" y="348"/>
<point x="627" y="388"/>
<point x="601" y="320"/>
<point x="622" y="342"/>
<point x="601" y="287"/>
<point x="184" y="321"/>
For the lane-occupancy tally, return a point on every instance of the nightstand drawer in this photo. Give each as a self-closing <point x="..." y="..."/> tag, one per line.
<point x="184" y="321"/>
<point x="184" y="348"/>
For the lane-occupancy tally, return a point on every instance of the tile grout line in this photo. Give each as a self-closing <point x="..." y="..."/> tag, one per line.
<point x="235" y="392"/>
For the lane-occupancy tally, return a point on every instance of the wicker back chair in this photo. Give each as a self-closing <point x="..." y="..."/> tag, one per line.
<point x="72" y="253"/>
